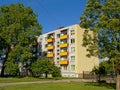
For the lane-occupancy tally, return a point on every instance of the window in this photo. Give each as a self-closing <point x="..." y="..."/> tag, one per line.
<point x="63" y="58"/>
<point x="50" y="35"/>
<point x="72" y="41"/>
<point x="58" y="42"/>
<point x="64" y="41"/>
<point x="64" y="67"/>
<point x="63" y="50"/>
<point x="72" y="49"/>
<point x="72" y="32"/>
<point x="72" y="58"/>
<point x="58" y="35"/>
<point x="72" y="67"/>
<point x="46" y="45"/>
<point x="58" y="58"/>
<point x="64" y="32"/>
<point x="58" y="50"/>
<point x="57" y="62"/>
<point x="57" y="45"/>
<point x="45" y="38"/>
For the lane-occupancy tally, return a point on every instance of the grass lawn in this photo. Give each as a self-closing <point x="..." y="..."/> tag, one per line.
<point x="60" y="86"/>
<point x="25" y="79"/>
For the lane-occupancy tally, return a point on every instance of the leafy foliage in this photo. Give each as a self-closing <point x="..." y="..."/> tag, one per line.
<point x="110" y="66"/>
<point x="44" y="66"/>
<point x="12" y="69"/>
<point x="18" y="28"/>
<point x="56" y="71"/>
<point x="99" y="70"/>
<point x="102" y="19"/>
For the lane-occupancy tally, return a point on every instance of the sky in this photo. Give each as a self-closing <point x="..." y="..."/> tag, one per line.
<point x="53" y="14"/>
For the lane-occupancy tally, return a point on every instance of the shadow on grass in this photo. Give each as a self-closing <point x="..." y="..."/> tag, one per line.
<point x="102" y="84"/>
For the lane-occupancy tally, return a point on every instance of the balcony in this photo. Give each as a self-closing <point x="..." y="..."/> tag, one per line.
<point x="50" y="55"/>
<point x="50" y="40"/>
<point x="63" y="53"/>
<point x="64" y="37"/>
<point x="64" y="62"/>
<point x="63" y="45"/>
<point x="50" y="47"/>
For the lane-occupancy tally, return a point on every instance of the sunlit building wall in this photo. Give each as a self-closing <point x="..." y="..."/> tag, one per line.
<point x="64" y="47"/>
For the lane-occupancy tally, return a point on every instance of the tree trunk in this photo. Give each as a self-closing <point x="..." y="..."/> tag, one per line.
<point x="2" y="71"/>
<point x="4" y="61"/>
<point x="98" y="77"/>
<point x="3" y="68"/>
<point x="46" y="75"/>
<point x="118" y="82"/>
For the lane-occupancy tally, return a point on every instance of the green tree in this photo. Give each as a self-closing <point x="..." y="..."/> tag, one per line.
<point x="102" y="18"/>
<point x="12" y="69"/>
<point x="109" y="67"/>
<point x="99" y="71"/>
<point x="44" y="66"/>
<point x="18" y="28"/>
<point x="36" y="68"/>
<point x="56" y="72"/>
<point x="105" y="67"/>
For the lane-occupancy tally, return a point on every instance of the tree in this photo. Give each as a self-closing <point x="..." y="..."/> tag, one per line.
<point x="102" y="17"/>
<point x="12" y="69"/>
<point x="36" y="68"/>
<point x="44" y="66"/>
<point x="18" y="28"/>
<point x="99" y="70"/>
<point x="56" y="71"/>
<point x="105" y="67"/>
<point x="109" y="67"/>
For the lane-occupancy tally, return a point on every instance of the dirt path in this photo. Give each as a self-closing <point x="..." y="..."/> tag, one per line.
<point x="48" y="81"/>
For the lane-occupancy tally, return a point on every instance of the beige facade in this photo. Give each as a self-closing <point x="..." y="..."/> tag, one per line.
<point x="64" y="46"/>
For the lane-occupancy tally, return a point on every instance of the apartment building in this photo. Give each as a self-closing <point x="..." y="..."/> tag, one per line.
<point x="64" y="46"/>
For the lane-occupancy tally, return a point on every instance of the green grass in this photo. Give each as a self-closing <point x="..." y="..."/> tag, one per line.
<point x="60" y="86"/>
<point x="25" y="79"/>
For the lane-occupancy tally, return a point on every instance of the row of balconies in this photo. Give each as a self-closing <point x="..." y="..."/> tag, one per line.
<point x="61" y="46"/>
<point x="61" y="54"/>
<point x="61" y="37"/>
<point x="62" y="62"/>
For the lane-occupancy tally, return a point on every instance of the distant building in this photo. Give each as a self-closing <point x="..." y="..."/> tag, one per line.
<point x="64" y="46"/>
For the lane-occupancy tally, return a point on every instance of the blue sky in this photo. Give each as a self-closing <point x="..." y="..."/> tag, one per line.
<point x="53" y="14"/>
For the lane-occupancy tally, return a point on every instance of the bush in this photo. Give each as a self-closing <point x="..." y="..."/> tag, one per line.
<point x="56" y="72"/>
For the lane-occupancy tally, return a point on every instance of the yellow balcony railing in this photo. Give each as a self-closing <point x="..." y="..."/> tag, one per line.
<point x="63" y="53"/>
<point x="64" y="62"/>
<point x="50" y="47"/>
<point x="50" y="40"/>
<point x="64" y="37"/>
<point x="63" y="45"/>
<point x="50" y="55"/>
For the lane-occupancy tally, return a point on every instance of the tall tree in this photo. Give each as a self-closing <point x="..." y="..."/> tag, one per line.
<point x="102" y="17"/>
<point x="18" y="29"/>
